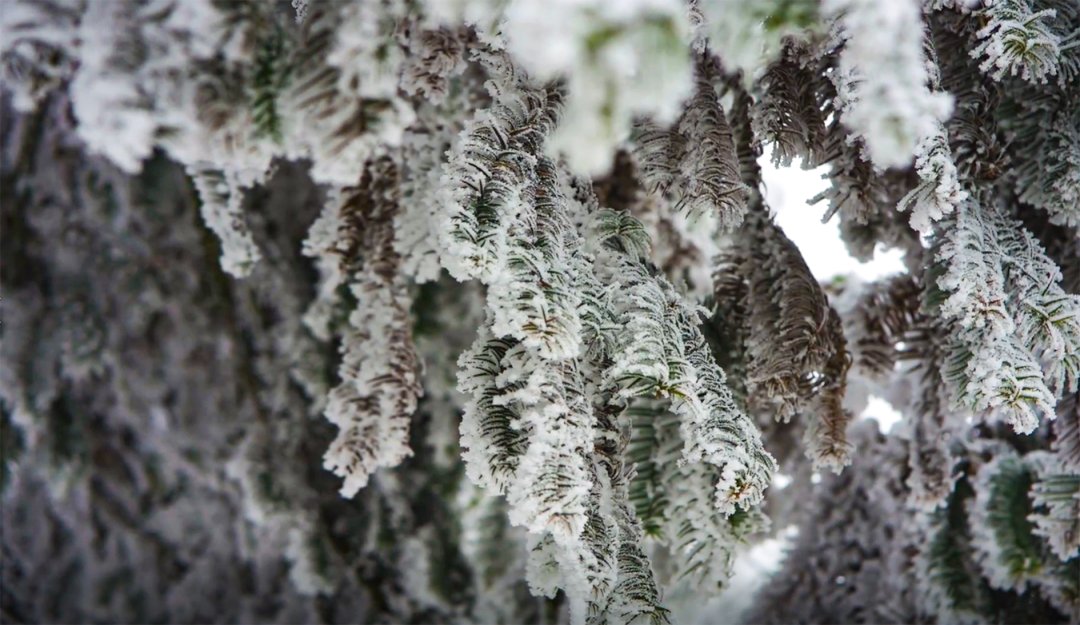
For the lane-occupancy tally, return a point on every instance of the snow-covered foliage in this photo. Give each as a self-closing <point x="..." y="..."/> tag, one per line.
<point x="747" y="35"/>
<point x="508" y="268"/>
<point x="379" y="367"/>
<point x="40" y="48"/>
<point x="1018" y="341"/>
<point x="221" y="199"/>
<point x="883" y="88"/>
<point x="1018" y="40"/>
<point x="940" y="191"/>
<point x="1055" y="497"/>
<point x="602" y="50"/>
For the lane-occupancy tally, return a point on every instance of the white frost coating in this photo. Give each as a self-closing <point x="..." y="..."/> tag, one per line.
<point x="221" y="200"/>
<point x="122" y="109"/>
<point x="701" y="540"/>
<point x="635" y="595"/>
<point x="619" y="59"/>
<point x="1017" y="41"/>
<point x="1055" y="187"/>
<point x="694" y="163"/>
<point x="416" y="232"/>
<point x="337" y="160"/>
<point x="995" y="370"/>
<point x="380" y="370"/>
<point x="565" y="346"/>
<point x="114" y="116"/>
<point x="1047" y="318"/>
<point x="717" y="432"/>
<point x="534" y="299"/>
<point x="553" y="479"/>
<point x="489" y="464"/>
<point x="526" y="432"/>
<point x="883" y="86"/>
<point x="542" y="570"/>
<point x="736" y="30"/>
<point x="665" y="355"/>
<point x="38" y="47"/>
<point x="963" y="6"/>
<point x="127" y="103"/>
<point x="322" y="245"/>
<point x="486" y="16"/>
<point x="641" y="365"/>
<point x="505" y="220"/>
<point x="588" y="564"/>
<point x="940" y="191"/>
<point x="985" y="518"/>
<point x="341" y="105"/>
<point x="1055" y="497"/>
<point x="701" y="526"/>
<point x="484" y="190"/>
<point x="1006" y="378"/>
<point x="434" y="57"/>
<point x="528" y="429"/>
<point x="301" y="7"/>
<point x="975" y="280"/>
<point x="466" y="252"/>
<point x="338" y="107"/>
<point x="379" y="389"/>
<point x="585" y="578"/>
<point x="584" y="567"/>
<point x="369" y="67"/>
<point x="423" y="196"/>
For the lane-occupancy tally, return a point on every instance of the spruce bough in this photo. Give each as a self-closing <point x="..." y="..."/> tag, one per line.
<point x="476" y="311"/>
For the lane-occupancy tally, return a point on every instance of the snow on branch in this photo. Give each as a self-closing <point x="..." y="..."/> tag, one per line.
<point x="1017" y="342"/>
<point x="883" y="88"/>
<point x="617" y="60"/>
<point x="380" y="370"/>
<point x="592" y="169"/>
<point x="1055" y="498"/>
<point x="1018" y="40"/>
<point x="665" y="355"/>
<point x="222" y="202"/>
